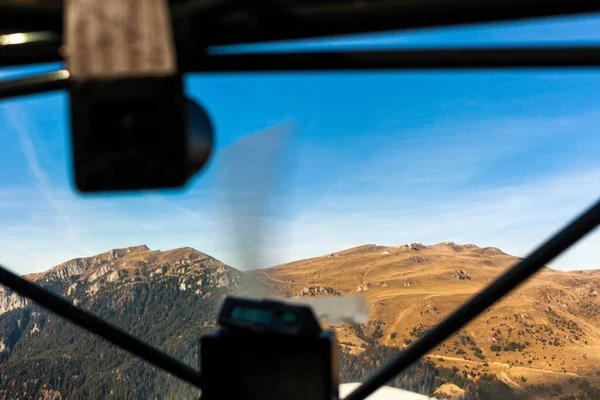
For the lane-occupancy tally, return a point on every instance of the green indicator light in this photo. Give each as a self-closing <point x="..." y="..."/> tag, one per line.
<point x="290" y="318"/>
<point x="251" y="315"/>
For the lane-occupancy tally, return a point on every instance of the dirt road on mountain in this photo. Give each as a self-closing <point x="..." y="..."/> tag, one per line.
<point x="504" y="365"/>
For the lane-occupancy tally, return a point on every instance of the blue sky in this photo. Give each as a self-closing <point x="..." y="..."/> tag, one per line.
<point x="492" y="158"/>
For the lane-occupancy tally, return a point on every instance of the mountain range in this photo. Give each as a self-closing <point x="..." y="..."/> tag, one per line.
<point x="541" y="341"/>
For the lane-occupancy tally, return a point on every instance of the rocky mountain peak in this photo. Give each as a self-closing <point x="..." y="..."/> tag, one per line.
<point x="78" y="266"/>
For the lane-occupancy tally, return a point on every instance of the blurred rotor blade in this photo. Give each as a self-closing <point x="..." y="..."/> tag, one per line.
<point x="252" y="172"/>
<point x="253" y="175"/>
<point x="336" y="310"/>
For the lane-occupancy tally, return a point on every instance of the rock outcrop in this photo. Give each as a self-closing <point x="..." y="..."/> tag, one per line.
<point x="414" y="260"/>
<point x="462" y="275"/>
<point x="313" y="291"/>
<point x="10" y="300"/>
<point x="69" y="268"/>
<point x="78" y="266"/>
<point x="100" y="272"/>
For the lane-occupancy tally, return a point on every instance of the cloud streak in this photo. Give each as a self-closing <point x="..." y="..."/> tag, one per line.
<point x="18" y="119"/>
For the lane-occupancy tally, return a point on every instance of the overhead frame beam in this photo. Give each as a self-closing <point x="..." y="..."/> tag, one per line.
<point x="30" y="17"/>
<point x="430" y="59"/>
<point x="216" y="22"/>
<point x="470" y="58"/>
<point x="447" y="58"/>
<point x="234" y="21"/>
<point x="331" y="18"/>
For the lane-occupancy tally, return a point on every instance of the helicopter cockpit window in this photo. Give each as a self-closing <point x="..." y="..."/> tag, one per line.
<point x="412" y="189"/>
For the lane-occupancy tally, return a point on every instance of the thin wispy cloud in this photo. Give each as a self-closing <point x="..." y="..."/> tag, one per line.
<point x="457" y="152"/>
<point x="18" y="120"/>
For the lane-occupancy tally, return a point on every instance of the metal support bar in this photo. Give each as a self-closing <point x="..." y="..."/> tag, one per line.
<point x="508" y="281"/>
<point x="31" y="15"/>
<point x="205" y="9"/>
<point x="343" y="17"/>
<point x="49" y="82"/>
<point x="233" y="22"/>
<point x="99" y="327"/>
<point x="29" y="48"/>
<point x="517" y="57"/>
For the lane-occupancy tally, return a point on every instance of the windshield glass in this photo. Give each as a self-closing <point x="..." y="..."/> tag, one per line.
<point x="412" y="189"/>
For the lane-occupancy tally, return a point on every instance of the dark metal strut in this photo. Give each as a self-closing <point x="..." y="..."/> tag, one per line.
<point x="99" y="327"/>
<point x="560" y="242"/>
<point x="433" y="59"/>
<point x="449" y="58"/>
<point x="220" y="22"/>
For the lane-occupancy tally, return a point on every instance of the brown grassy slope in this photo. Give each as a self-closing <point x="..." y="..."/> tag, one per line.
<point x="547" y="330"/>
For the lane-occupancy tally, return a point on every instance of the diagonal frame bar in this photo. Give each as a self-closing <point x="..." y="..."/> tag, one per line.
<point x="508" y="281"/>
<point x="99" y="327"/>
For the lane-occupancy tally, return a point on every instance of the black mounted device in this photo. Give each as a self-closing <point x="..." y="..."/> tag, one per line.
<point x="132" y="127"/>
<point x="135" y="134"/>
<point x="268" y="350"/>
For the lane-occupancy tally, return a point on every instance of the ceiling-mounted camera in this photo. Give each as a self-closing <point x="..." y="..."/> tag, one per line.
<point x="132" y="127"/>
<point x="140" y="133"/>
